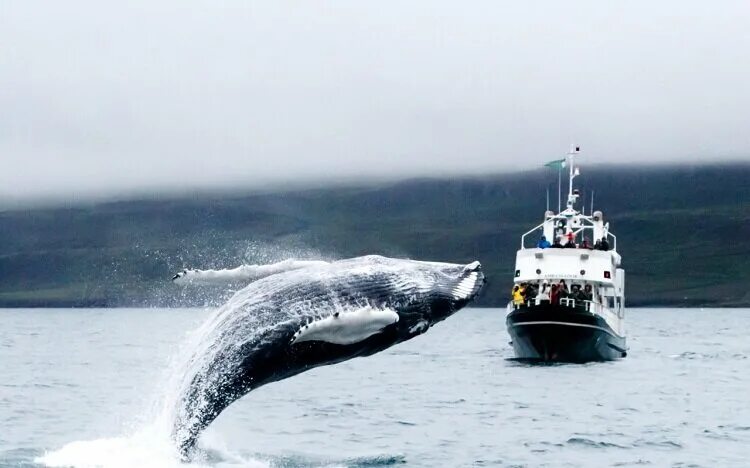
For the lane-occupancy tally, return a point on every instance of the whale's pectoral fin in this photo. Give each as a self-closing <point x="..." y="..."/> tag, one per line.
<point x="241" y="274"/>
<point x="345" y="328"/>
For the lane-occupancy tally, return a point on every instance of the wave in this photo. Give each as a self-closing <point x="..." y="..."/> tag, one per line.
<point x="586" y="442"/>
<point x="145" y="449"/>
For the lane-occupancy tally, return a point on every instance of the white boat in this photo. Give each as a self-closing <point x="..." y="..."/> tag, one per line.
<point x="585" y="320"/>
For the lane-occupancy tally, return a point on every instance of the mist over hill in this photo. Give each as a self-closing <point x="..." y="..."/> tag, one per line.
<point x="682" y="231"/>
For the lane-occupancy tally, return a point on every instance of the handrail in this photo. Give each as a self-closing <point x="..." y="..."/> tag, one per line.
<point x="564" y="301"/>
<point x="523" y="237"/>
<point x="614" y="238"/>
<point x="557" y="216"/>
<point x="589" y="227"/>
<point x="567" y="302"/>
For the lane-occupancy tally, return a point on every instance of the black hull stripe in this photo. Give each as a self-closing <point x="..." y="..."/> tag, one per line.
<point x="567" y="324"/>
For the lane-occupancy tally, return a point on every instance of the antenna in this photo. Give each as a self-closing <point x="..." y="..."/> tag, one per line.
<point x="548" y="198"/>
<point x="559" y="190"/>
<point x="592" y="202"/>
<point x="573" y="172"/>
<point x="583" y="205"/>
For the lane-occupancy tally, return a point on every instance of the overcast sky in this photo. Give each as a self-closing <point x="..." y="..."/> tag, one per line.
<point x="105" y="97"/>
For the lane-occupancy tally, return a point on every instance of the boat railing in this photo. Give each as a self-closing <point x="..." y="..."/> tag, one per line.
<point x="614" y="240"/>
<point x="567" y="302"/>
<point x="580" y="230"/>
<point x="570" y="302"/>
<point x="530" y="231"/>
<point x="564" y="302"/>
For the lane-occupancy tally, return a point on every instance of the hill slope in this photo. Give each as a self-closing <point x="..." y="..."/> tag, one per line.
<point x="683" y="238"/>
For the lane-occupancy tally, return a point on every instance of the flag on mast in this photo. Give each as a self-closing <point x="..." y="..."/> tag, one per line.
<point x="556" y="164"/>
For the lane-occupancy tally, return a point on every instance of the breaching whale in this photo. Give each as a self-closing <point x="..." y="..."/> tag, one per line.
<point x="300" y="318"/>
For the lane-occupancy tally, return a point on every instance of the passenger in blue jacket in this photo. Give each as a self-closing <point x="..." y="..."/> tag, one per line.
<point x="543" y="243"/>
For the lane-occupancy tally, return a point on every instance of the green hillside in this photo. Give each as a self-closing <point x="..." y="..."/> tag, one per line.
<point x="683" y="238"/>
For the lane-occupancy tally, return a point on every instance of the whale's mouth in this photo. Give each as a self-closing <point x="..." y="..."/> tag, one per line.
<point x="473" y="266"/>
<point x="470" y="282"/>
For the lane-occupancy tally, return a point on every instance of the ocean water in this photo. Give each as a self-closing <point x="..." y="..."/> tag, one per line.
<point x="83" y="387"/>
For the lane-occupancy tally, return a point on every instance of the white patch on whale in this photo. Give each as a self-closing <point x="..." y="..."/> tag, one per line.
<point x="420" y="327"/>
<point x="464" y="288"/>
<point x="345" y="328"/>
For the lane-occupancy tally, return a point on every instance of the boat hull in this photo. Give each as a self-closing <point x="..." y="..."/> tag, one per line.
<point x="552" y="333"/>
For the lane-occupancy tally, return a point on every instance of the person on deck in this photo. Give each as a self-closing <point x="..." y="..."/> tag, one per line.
<point x="604" y="244"/>
<point x="543" y="243"/>
<point x="586" y="244"/>
<point x="562" y="290"/>
<point x="576" y="293"/>
<point x="543" y="294"/>
<point x="530" y="292"/>
<point x="588" y="293"/>
<point x="554" y="295"/>
<point x="570" y="241"/>
<point x="517" y="295"/>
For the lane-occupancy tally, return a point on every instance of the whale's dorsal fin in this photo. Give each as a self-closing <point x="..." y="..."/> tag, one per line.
<point x="345" y="328"/>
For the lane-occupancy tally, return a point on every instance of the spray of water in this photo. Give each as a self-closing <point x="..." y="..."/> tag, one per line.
<point x="147" y="441"/>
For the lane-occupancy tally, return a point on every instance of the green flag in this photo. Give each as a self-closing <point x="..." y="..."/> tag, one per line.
<point x="556" y="164"/>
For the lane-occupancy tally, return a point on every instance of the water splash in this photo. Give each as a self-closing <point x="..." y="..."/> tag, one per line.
<point x="150" y="444"/>
<point x="147" y="448"/>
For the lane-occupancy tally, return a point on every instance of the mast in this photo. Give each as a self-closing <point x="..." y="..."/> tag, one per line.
<point x="559" y="190"/>
<point x="572" y="173"/>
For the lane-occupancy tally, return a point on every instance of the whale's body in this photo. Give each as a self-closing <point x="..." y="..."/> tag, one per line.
<point x="293" y="321"/>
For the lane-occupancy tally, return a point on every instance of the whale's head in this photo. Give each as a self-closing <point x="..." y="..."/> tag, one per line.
<point x="429" y="292"/>
<point x="380" y="301"/>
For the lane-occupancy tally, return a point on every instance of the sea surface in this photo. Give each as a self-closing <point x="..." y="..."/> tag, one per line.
<point x="83" y="387"/>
